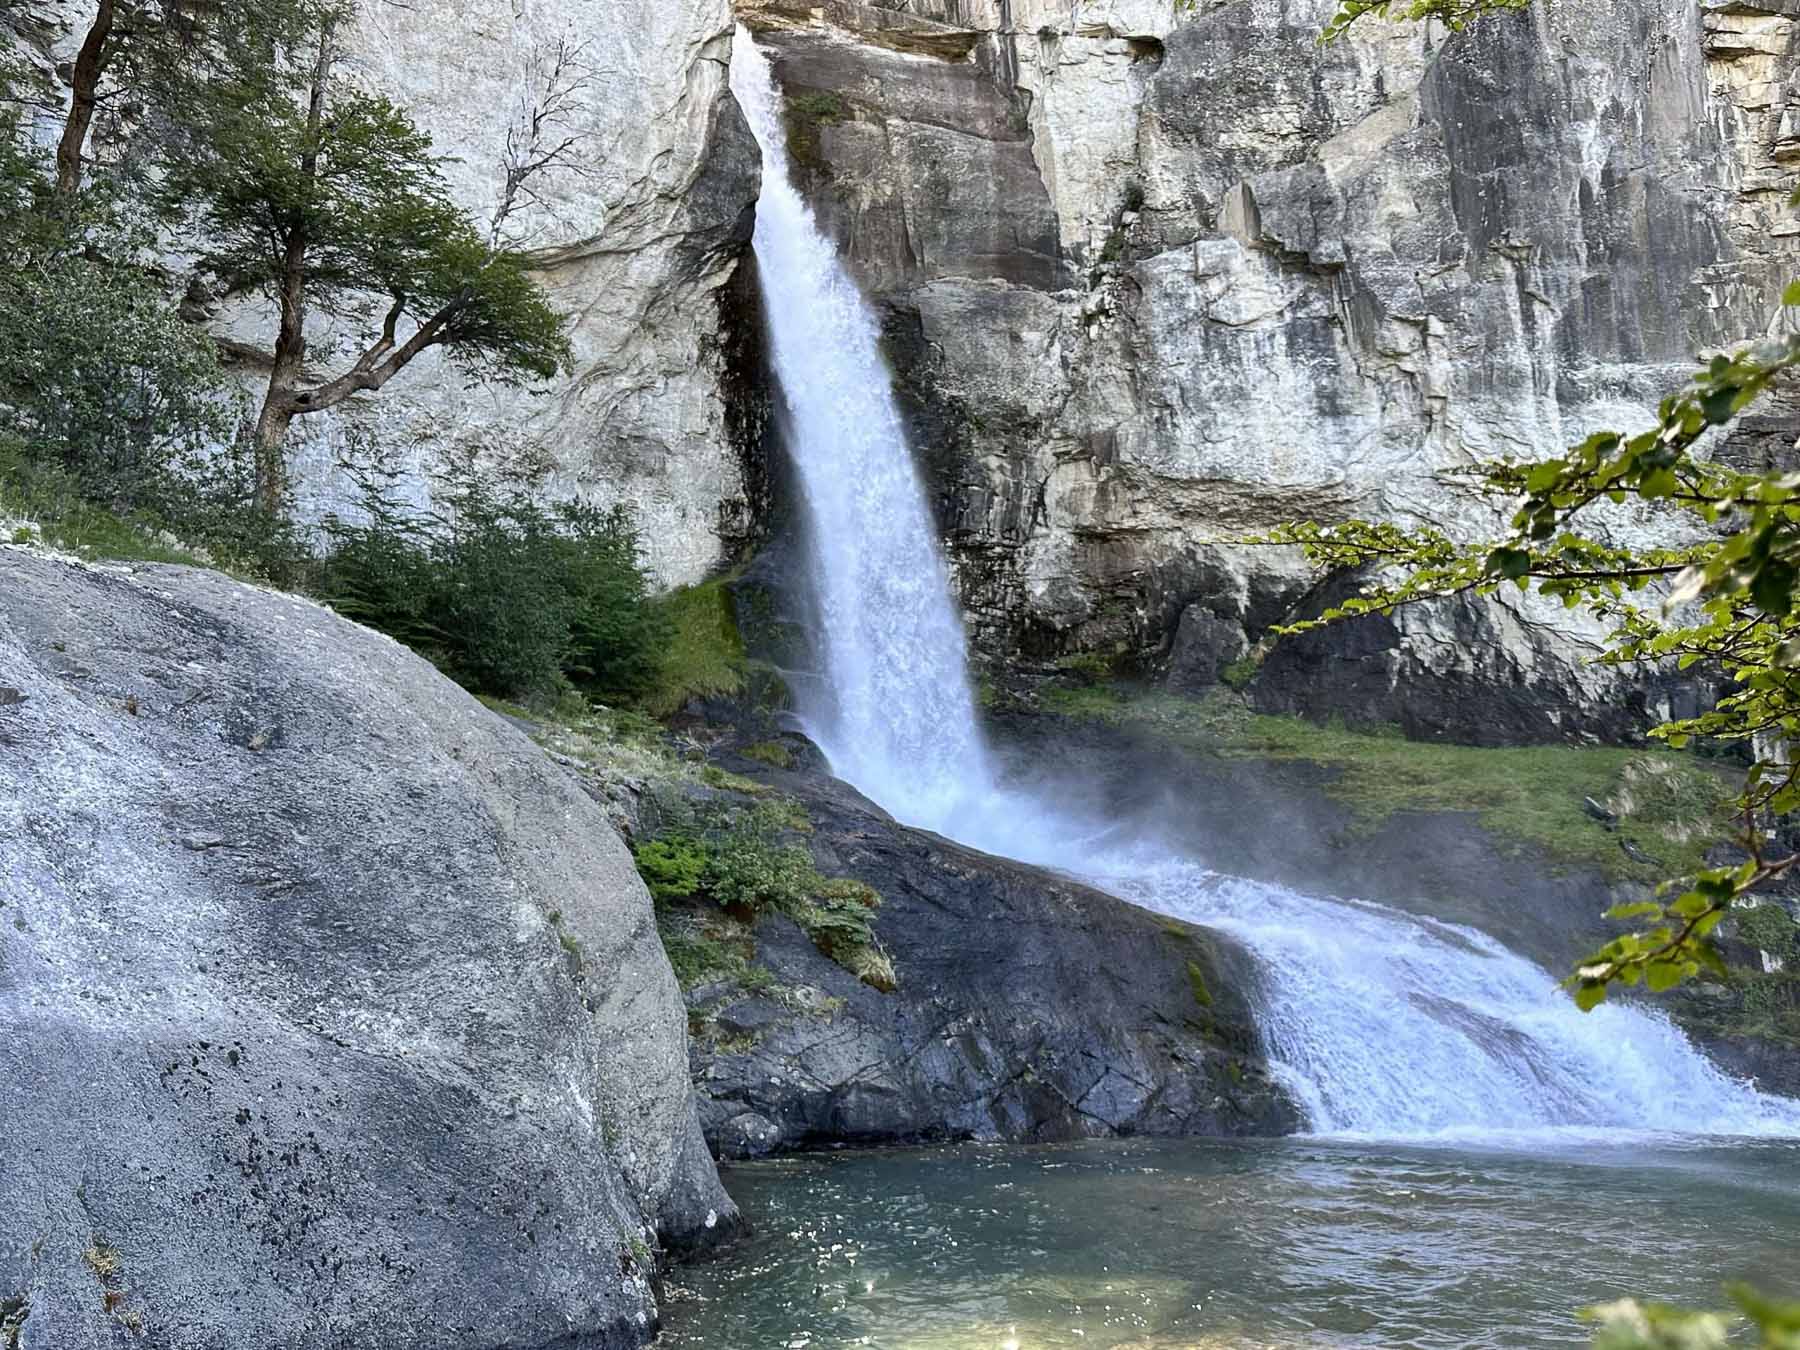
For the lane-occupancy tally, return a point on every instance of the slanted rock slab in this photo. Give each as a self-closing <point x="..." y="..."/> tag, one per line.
<point x="331" y="1012"/>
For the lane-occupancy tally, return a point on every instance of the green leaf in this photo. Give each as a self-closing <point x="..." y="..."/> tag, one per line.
<point x="1590" y="996"/>
<point x="1510" y="563"/>
<point x="1637" y="909"/>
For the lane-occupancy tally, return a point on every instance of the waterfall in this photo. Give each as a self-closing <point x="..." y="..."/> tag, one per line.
<point x="894" y="715"/>
<point x="1380" y="1022"/>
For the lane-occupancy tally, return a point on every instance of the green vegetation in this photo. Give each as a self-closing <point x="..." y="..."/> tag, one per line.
<point x="1670" y="806"/>
<point x="772" y="753"/>
<point x="709" y="949"/>
<point x="1750" y="1001"/>
<point x="806" y="115"/>
<point x="508" y="597"/>
<point x="1239" y="673"/>
<point x="1197" y="983"/>
<point x="742" y="860"/>
<point x="702" y="656"/>
<point x="64" y="517"/>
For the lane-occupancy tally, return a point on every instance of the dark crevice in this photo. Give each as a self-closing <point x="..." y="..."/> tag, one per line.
<point x="13" y="1312"/>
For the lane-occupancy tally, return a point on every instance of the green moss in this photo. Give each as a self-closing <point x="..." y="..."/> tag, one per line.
<point x="705" y="655"/>
<point x="1197" y="983"/>
<point x="773" y="753"/>
<point x="1669" y="805"/>
<point x="807" y="115"/>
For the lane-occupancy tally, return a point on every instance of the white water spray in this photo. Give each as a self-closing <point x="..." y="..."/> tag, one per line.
<point x="1382" y="1023"/>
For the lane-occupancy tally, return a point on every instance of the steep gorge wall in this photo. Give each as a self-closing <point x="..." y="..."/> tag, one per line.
<point x="637" y="236"/>
<point x="1151" y="285"/>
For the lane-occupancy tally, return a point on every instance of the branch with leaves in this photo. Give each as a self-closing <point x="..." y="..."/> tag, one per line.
<point x="1727" y="601"/>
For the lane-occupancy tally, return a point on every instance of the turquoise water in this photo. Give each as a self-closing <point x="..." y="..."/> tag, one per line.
<point x="1295" y="1242"/>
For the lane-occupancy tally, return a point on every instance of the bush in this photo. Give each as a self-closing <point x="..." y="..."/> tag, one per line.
<point x="742" y="860"/>
<point x="703" y="656"/>
<point x="672" y="868"/>
<point x="511" y="598"/>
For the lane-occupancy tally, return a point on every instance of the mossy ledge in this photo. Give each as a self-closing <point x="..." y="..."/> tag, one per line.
<point x="1666" y="807"/>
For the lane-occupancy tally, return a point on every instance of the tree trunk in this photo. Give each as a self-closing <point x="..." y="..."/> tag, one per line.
<point x="282" y="401"/>
<point x="90" y="65"/>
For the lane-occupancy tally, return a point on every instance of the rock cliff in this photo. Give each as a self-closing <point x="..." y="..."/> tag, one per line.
<point x="331" y="1012"/>
<point x="637" y="233"/>
<point x="1151" y="282"/>
<point x="1029" y="1008"/>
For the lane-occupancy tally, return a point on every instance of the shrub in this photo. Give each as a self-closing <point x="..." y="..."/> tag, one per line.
<point x="673" y="867"/>
<point x="1238" y="674"/>
<point x="511" y="598"/>
<point x="742" y="859"/>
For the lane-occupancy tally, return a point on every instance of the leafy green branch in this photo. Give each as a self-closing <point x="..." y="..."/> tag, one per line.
<point x="1726" y="600"/>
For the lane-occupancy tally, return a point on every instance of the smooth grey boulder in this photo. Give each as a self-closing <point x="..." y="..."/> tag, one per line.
<point x="331" y="1013"/>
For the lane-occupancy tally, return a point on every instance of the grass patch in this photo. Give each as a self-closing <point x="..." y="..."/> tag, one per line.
<point x="1197" y="984"/>
<point x="707" y="948"/>
<point x="772" y="753"/>
<point x="1668" y="804"/>
<point x="45" y="508"/>
<point x="704" y="657"/>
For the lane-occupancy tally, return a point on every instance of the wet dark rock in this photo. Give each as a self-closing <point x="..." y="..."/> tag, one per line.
<point x="362" y="1038"/>
<point x="1205" y="644"/>
<point x="1029" y="1008"/>
<point x="747" y="1135"/>
<point x="1514" y="671"/>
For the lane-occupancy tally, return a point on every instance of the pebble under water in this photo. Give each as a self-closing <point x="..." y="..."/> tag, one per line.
<point x="1267" y="1243"/>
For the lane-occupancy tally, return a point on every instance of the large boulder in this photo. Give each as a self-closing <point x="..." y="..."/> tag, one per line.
<point x="331" y="1013"/>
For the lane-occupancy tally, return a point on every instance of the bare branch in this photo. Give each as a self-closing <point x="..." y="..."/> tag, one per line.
<point x="539" y="141"/>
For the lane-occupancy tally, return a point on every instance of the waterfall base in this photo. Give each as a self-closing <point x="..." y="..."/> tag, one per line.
<point x="1029" y="1008"/>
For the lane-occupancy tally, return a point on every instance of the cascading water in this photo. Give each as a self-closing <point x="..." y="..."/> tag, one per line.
<point x="895" y="714"/>
<point x="1382" y="1023"/>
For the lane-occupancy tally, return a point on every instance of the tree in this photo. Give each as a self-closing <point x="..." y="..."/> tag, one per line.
<point x="320" y="195"/>
<point x="98" y="376"/>
<point x="150" y="51"/>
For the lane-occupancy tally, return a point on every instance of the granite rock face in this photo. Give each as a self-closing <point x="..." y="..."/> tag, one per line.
<point x="331" y="1012"/>
<point x="1152" y="284"/>
<point x="637" y="233"/>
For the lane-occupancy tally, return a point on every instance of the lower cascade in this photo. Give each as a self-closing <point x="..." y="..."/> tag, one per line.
<point x="1382" y="1023"/>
